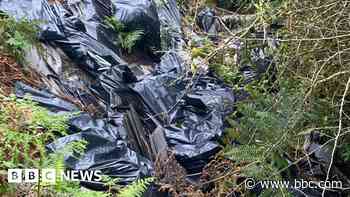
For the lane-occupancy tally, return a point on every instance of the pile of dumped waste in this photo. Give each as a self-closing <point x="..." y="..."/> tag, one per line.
<point x="132" y="113"/>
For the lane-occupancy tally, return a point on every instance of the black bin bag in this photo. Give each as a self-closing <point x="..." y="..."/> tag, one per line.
<point x="45" y="98"/>
<point x="190" y="110"/>
<point x="61" y="25"/>
<point x="106" y="151"/>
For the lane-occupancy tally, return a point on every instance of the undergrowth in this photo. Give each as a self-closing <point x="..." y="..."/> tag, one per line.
<point x="17" y="36"/>
<point x="25" y="129"/>
<point x="136" y="189"/>
<point x="306" y="92"/>
<point x="267" y="126"/>
<point x="127" y="39"/>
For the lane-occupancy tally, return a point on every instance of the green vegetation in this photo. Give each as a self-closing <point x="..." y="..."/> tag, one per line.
<point x="25" y="129"/>
<point x="306" y="92"/>
<point x="17" y="36"/>
<point x="268" y="127"/>
<point x="135" y="189"/>
<point x="126" y="39"/>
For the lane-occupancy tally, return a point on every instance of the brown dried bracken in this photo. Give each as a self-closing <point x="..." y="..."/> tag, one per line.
<point x="10" y="72"/>
<point x="219" y="178"/>
<point x="171" y="176"/>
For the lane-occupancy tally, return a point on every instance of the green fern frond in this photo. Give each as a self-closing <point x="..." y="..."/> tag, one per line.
<point x="260" y="171"/>
<point x="245" y="153"/>
<point x="129" y="39"/>
<point x="254" y="170"/>
<point x="115" y="24"/>
<point x="126" y="38"/>
<point x="136" y="189"/>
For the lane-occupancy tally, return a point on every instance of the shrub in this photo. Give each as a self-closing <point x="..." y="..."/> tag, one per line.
<point x="127" y="39"/>
<point x="17" y="36"/>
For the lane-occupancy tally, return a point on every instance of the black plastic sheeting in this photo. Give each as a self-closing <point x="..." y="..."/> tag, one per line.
<point x="106" y="150"/>
<point x="141" y="14"/>
<point x="189" y="109"/>
<point x="106" y="138"/>
<point x="262" y="64"/>
<point x="170" y="25"/>
<point x="192" y="112"/>
<point x="199" y="123"/>
<point x="44" y="98"/>
<point x="208" y="21"/>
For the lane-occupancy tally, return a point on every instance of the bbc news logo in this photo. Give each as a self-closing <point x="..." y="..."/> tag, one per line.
<point x="51" y="175"/>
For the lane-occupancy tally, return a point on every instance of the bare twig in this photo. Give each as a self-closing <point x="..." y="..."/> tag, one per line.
<point x="338" y="134"/>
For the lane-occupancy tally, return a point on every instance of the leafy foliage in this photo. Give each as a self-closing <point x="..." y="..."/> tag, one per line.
<point x="305" y="98"/>
<point x="25" y="128"/>
<point x="271" y="116"/>
<point x="267" y="126"/>
<point x="17" y="36"/>
<point x="245" y="153"/>
<point x="136" y="189"/>
<point x="65" y="188"/>
<point x="345" y="153"/>
<point x="127" y="39"/>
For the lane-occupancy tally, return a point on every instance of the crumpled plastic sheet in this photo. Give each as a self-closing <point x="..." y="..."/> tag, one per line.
<point x="171" y="62"/>
<point x="314" y="166"/>
<point x="262" y="64"/>
<point x="114" y="89"/>
<point x="208" y="21"/>
<point x="170" y="25"/>
<point x="66" y="26"/>
<point x="140" y="14"/>
<point x="198" y="123"/>
<point x="193" y="118"/>
<point x="61" y="27"/>
<point x="190" y="109"/>
<point x="44" y="97"/>
<point x="317" y="164"/>
<point x="106" y="150"/>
